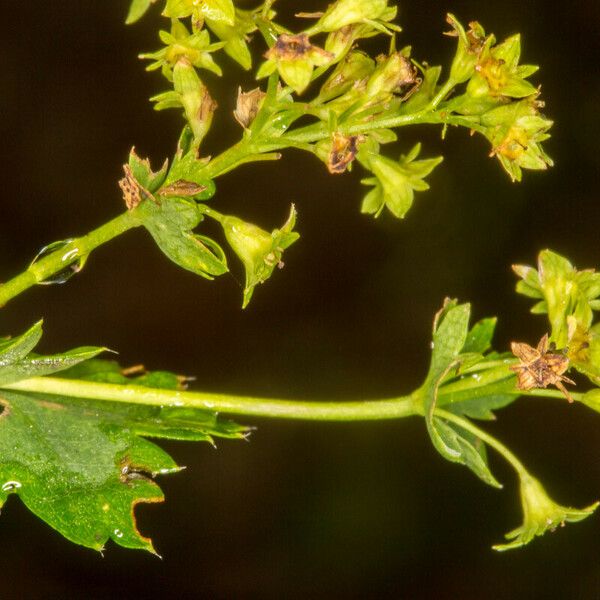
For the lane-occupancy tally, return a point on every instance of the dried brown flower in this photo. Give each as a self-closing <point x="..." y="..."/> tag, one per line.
<point x="247" y="106"/>
<point x="540" y="367"/>
<point x="343" y="151"/>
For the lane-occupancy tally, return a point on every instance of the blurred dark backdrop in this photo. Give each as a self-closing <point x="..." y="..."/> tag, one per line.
<point x="303" y="510"/>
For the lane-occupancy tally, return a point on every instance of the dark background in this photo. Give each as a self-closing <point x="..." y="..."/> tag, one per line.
<point x="303" y="510"/>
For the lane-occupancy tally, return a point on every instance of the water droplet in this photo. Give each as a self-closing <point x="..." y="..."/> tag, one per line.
<point x="476" y="376"/>
<point x="11" y="486"/>
<point x="118" y="533"/>
<point x="73" y="261"/>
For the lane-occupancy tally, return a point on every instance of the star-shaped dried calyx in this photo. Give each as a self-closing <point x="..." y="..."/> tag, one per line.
<point x="540" y="367"/>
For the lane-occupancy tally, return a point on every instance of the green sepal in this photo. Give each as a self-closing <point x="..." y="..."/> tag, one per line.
<point x="234" y="36"/>
<point x="178" y="9"/>
<point x="394" y="182"/>
<point x="427" y="90"/>
<point x="540" y="514"/>
<point x="137" y="10"/>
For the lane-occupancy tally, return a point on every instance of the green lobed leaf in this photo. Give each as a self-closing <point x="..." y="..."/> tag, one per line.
<point x="170" y="224"/>
<point x="81" y="466"/>
<point x="467" y="449"/>
<point x="450" y="335"/>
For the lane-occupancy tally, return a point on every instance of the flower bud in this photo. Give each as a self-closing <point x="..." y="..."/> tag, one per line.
<point x="393" y="74"/>
<point x="355" y="67"/>
<point x="339" y="151"/>
<point x="235" y="36"/>
<point x="395" y="181"/>
<point x="470" y="44"/>
<point x="247" y="106"/>
<point x="259" y="250"/>
<point x="197" y="103"/>
<point x="540" y="514"/>
<point x="347" y="12"/>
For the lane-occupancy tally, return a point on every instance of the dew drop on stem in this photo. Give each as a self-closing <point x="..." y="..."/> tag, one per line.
<point x="73" y="262"/>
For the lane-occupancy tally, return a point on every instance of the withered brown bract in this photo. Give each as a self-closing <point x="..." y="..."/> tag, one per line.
<point x="539" y="367"/>
<point x="133" y="191"/>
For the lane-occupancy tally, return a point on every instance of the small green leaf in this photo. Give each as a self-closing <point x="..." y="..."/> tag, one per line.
<point x="17" y="361"/>
<point x="449" y="337"/>
<point x="450" y="334"/>
<point x="170" y="224"/>
<point x="14" y="349"/>
<point x="187" y="167"/>
<point x="459" y="446"/>
<point x="35" y="366"/>
<point x="109" y="371"/>
<point x="479" y="338"/>
<point x="143" y="173"/>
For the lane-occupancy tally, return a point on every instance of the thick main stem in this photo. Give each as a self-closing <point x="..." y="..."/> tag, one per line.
<point x="370" y="410"/>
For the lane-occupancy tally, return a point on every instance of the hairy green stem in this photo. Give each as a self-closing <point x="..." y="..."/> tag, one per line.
<point x="371" y="410"/>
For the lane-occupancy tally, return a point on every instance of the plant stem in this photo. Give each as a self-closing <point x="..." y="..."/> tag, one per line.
<point x="246" y="150"/>
<point x="370" y="410"/>
<point x="74" y="251"/>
